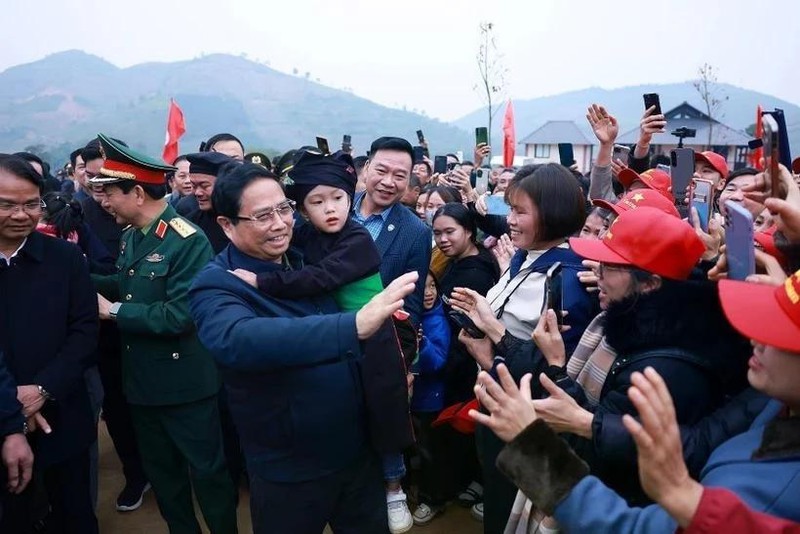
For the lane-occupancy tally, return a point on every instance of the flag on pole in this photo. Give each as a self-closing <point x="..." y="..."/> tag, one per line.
<point x="509" y="136"/>
<point x="176" y="127"/>
<point x="757" y="153"/>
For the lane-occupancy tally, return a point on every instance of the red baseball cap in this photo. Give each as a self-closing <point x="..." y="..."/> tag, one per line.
<point x="653" y="178"/>
<point x="715" y="160"/>
<point x="641" y="198"/>
<point x="764" y="313"/>
<point x="648" y="239"/>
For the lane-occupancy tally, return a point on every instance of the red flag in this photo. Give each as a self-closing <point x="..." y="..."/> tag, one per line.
<point x="176" y="127"/>
<point x="509" y="137"/>
<point x="758" y="153"/>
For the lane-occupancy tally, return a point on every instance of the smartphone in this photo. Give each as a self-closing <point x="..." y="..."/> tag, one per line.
<point x="482" y="180"/>
<point x="681" y="162"/>
<point x="496" y="205"/>
<point x="440" y="165"/>
<point x="771" y="143"/>
<point x="650" y="100"/>
<point x="463" y="321"/>
<point x="420" y="137"/>
<point x="347" y="143"/>
<point x="740" y="249"/>
<point x="566" y="155"/>
<point x="621" y="153"/>
<point x="322" y="144"/>
<point x="451" y="166"/>
<point x="481" y="136"/>
<point x="419" y="154"/>
<point x="701" y="198"/>
<point x="664" y="168"/>
<point x="553" y="295"/>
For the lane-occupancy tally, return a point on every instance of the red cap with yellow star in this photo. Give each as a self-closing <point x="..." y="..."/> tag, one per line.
<point x="640" y="198"/>
<point x="649" y="239"/>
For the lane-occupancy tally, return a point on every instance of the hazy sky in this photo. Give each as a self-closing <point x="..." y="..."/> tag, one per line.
<point x="421" y="54"/>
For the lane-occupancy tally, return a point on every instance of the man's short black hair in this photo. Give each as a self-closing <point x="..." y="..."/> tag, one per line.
<point x="232" y="180"/>
<point x="30" y="158"/>
<point x="555" y="194"/>
<point x="359" y="162"/>
<point x="451" y="155"/>
<point x="73" y="157"/>
<point x="398" y="144"/>
<point x="21" y="168"/>
<point x="214" y="139"/>
<point x="744" y="171"/>
<point x="413" y="181"/>
<point x="155" y="192"/>
<point x="470" y="163"/>
<point x="91" y="152"/>
<point x="427" y="166"/>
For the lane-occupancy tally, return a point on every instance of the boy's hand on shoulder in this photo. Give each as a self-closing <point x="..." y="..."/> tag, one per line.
<point x="247" y="276"/>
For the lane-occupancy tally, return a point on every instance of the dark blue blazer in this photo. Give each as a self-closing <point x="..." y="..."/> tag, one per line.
<point x="405" y="245"/>
<point x="290" y="368"/>
<point x="48" y="335"/>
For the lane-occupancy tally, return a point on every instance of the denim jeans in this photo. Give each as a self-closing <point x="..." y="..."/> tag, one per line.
<point x="394" y="468"/>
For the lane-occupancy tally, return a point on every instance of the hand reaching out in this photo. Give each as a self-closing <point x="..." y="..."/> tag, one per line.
<point x="662" y="470"/>
<point x="503" y="251"/>
<point x="510" y="408"/>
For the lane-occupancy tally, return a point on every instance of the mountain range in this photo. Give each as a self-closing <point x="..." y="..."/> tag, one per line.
<point x="60" y="102"/>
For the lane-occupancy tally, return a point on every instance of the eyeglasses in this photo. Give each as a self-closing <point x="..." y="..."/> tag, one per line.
<point x="283" y="210"/>
<point x="31" y="208"/>
<point x="610" y="267"/>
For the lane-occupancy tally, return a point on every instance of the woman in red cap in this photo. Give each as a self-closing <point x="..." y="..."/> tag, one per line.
<point x="655" y="317"/>
<point x="760" y="465"/>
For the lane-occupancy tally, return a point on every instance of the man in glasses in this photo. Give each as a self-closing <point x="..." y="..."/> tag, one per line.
<point x="45" y="288"/>
<point x="169" y="379"/>
<point x="291" y="367"/>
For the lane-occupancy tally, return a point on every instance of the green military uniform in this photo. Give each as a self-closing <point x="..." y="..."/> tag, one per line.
<point x="169" y="378"/>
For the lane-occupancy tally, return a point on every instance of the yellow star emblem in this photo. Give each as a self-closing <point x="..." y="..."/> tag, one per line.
<point x="638" y="197"/>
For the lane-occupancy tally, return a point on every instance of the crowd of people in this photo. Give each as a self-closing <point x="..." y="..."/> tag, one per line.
<point x="363" y="342"/>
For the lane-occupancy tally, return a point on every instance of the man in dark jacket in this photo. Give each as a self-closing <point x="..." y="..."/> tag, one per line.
<point x="296" y="399"/>
<point x="45" y="285"/>
<point x="16" y="457"/>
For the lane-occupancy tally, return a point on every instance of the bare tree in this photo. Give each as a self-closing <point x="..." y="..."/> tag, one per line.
<point x="492" y="72"/>
<point x="711" y="94"/>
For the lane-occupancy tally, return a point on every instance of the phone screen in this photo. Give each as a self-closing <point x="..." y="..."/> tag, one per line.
<point x="481" y="136"/>
<point x="419" y="154"/>
<point x="420" y="137"/>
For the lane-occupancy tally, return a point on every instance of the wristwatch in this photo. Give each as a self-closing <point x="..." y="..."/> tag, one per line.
<point x="44" y="393"/>
<point x="114" y="310"/>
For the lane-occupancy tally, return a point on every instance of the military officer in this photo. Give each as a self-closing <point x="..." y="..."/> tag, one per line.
<point x="169" y="379"/>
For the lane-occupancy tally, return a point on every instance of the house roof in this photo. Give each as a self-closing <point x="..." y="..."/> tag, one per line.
<point x="554" y="132"/>
<point x="687" y="116"/>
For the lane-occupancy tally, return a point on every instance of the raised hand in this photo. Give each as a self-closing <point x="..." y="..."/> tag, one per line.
<point x="662" y="470"/>
<point x="509" y="406"/>
<point x="380" y="307"/>
<point x="604" y="125"/>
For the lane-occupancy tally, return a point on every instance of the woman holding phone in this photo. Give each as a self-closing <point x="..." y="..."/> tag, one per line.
<point x="547" y="207"/>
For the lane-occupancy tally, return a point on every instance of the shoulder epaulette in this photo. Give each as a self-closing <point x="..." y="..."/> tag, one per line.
<point x="183" y="228"/>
